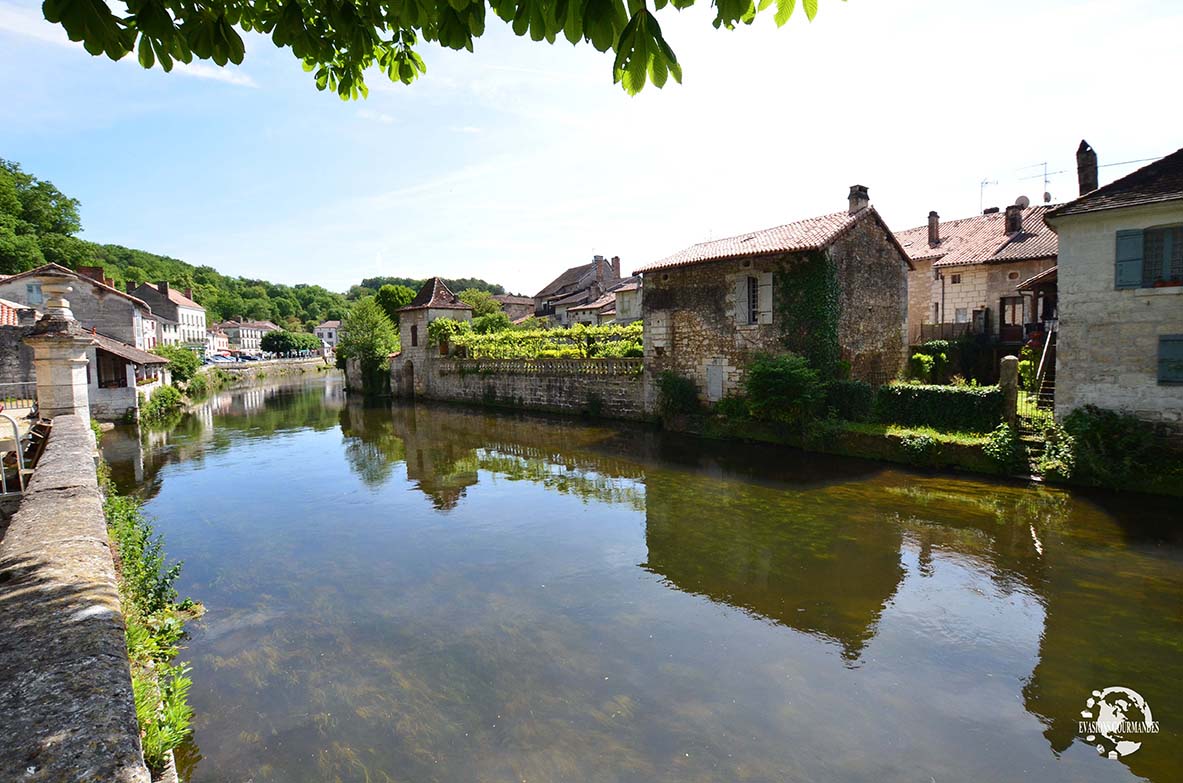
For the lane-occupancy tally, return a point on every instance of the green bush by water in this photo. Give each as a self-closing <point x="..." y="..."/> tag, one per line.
<point x="959" y="408"/>
<point x="676" y="394"/>
<point x="850" y="400"/>
<point x="163" y="403"/>
<point x="783" y="388"/>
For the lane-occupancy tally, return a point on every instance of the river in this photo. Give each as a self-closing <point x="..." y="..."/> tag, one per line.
<point x="417" y="593"/>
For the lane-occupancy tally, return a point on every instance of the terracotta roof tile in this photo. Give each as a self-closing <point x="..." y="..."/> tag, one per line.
<point x="129" y="352"/>
<point x="8" y="315"/>
<point x="176" y="297"/>
<point x="1156" y="182"/>
<point x="434" y="294"/>
<point x="981" y="239"/>
<point x="803" y="235"/>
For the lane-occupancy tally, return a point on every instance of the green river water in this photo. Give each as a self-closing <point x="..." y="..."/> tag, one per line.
<point x="416" y="593"/>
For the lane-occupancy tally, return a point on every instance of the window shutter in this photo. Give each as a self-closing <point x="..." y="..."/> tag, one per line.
<point x="1170" y="358"/>
<point x="741" y="299"/>
<point x="1128" y="272"/>
<point x="764" y="298"/>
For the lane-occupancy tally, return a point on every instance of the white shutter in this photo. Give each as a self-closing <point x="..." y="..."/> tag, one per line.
<point x="714" y="383"/>
<point x="741" y="300"/>
<point x="765" y="297"/>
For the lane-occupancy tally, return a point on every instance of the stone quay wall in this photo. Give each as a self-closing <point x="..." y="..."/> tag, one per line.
<point x="610" y="388"/>
<point x="65" y="682"/>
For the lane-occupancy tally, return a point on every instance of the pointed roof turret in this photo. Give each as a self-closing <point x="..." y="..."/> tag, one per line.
<point x="437" y="296"/>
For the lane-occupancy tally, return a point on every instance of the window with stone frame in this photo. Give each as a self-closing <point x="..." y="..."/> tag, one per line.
<point x="1170" y="359"/>
<point x="753" y="301"/>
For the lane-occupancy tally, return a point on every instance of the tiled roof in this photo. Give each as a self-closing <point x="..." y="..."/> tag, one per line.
<point x="605" y="300"/>
<point x="511" y="299"/>
<point x="1156" y="182"/>
<point x="8" y="312"/>
<point x="1043" y="278"/>
<point x="569" y="278"/>
<point x="329" y="325"/>
<point x="176" y="297"/>
<point x="129" y="352"/>
<point x="436" y="295"/>
<point x="982" y="239"/>
<point x="803" y="235"/>
<point x="577" y="298"/>
<point x="58" y="269"/>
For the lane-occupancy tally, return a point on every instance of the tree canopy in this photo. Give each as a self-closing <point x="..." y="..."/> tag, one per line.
<point x="368" y="335"/>
<point x="481" y="302"/>
<point x="391" y="297"/>
<point x="338" y="40"/>
<point x="283" y="341"/>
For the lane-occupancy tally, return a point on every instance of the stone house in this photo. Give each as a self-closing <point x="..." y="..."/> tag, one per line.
<point x="606" y="309"/>
<point x="178" y="307"/>
<point x="576" y="286"/>
<point x="118" y="366"/>
<point x="709" y="308"/>
<point x="329" y="332"/>
<point x="966" y="273"/>
<point x="1120" y="279"/>
<point x="246" y="336"/>
<point x="516" y="307"/>
<point x="434" y="300"/>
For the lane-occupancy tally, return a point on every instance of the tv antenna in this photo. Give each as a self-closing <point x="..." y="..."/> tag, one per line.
<point x="982" y="192"/>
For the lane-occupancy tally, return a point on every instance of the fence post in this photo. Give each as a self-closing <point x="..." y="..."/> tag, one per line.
<point x="1008" y="379"/>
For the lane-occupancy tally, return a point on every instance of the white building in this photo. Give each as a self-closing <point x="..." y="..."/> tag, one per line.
<point x="329" y="332"/>
<point x="169" y="303"/>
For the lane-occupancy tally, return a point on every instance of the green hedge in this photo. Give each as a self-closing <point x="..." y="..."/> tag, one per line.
<point x="850" y="400"/>
<point x="958" y="408"/>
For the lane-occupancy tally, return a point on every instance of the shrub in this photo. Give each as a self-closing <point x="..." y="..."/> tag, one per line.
<point x="920" y="449"/>
<point x="920" y="367"/>
<point x="1058" y="460"/>
<point x="1111" y="449"/>
<point x="850" y="400"/>
<point x="783" y="388"/>
<point x="183" y="363"/>
<point x="164" y="402"/>
<point x="676" y="394"/>
<point x="1027" y="368"/>
<point x="733" y="406"/>
<point x="283" y="341"/>
<point x="960" y="408"/>
<point x="492" y="322"/>
<point x="1006" y="449"/>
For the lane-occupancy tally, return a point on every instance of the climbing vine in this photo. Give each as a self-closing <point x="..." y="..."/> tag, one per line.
<point x="808" y="309"/>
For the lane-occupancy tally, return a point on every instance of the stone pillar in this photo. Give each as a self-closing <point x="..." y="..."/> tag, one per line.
<point x="59" y="355"/>
<point x="1008" y="379"/>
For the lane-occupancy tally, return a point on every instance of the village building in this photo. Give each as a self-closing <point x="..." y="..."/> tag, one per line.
<point x="577" y="286"/>
<point x="1120" y="289"/>
<point x="246" y="336"/>
<point x="216" y="342"/>
<point x="434" y="300"/>
<point x="966" y="273"/>
<point x="605" y="309"/>
<point x="178" y="307"/>
<point x="329" y="332"/>
<point x="118" y="364"/>
<point x="515" y="307"/>
<point x="168" y="331"/>
<point x="711" y="307"/>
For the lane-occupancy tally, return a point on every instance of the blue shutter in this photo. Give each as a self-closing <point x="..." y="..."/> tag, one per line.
<point x="1129" y="259"/>
<point x="1170" y="358"/>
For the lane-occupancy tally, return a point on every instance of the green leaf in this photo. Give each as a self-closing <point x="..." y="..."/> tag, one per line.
<point x="810" y="7"/>
<point x="146" y="58"/>
<point x="784" y="10"/>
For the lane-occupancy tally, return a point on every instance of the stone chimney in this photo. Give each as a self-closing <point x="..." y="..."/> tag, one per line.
<point x="1086" y="167"/>
<point x="859" y="198"/>
<point x="131" y="287"/>
<point x="188" y="293"/>
<point x="934" y="229"/>
<point x="162" y="287"/>
<point x="93" y="272"/>
<point x="26" y="316"/>
<point x="599" y="263"/>
<point x="1014" y="219"/>
<point x="616" y="267"/>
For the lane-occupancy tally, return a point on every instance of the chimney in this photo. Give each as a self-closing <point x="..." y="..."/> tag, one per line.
<point x="859" y="198"/>
<point x="1086" y="167"/>
<point x="92" y="272"/>
<point x="990" y="211"/>
<point x="1014" y="219"/>
<point x="188" y="293"/>
<point x="162" y="287"/>
<point x="934" y="229"/>
<point x="131" y="287"/>
<point x="616" y="267"/>
<point x="26" y="316"/>
<point x="599" y="262"/>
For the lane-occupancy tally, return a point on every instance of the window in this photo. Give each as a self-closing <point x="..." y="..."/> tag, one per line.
<point x="1012" y="310"/>
<point x="112" y="371"/>
<point x="753" y="300"/>
<point x="1170" y="359"/>
<point x="961" y="315"/>
<point x="1012" y="275"/>
<point x="955" y="279"/>
<point x="34" y="295"/>
<point x="1149" y="258"/>
<point x="414" y="334"/>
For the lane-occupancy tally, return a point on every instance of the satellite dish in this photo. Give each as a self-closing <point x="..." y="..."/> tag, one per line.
<point x="1022" y="202"/>
<point x="1047" y="197"/>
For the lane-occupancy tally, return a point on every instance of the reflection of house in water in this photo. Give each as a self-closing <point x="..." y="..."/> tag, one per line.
<point x="760" y="549"/>
<point x="442" y="467"/>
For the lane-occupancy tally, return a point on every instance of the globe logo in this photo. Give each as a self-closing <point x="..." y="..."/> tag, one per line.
<point x="1113" y="717"/>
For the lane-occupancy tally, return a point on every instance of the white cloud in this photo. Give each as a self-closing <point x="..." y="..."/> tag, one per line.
<point x="375" y="116"/>
<point x="224" y="74"/>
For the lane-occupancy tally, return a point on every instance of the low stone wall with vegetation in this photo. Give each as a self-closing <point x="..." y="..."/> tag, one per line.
<point x="65" y="682"/>
<point x="609" y="388"/>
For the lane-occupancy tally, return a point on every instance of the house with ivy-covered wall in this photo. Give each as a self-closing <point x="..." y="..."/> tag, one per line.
<point x="832" y="288"/>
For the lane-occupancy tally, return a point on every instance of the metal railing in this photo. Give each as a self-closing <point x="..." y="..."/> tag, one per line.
<point x="19" y="462"/>
<point x="18" y="396"/>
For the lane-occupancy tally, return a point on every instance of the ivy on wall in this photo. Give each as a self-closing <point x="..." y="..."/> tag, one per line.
<point x="808" y="309"/>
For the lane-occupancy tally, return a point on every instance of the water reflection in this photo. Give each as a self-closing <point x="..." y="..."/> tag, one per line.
<point x="439" y="594"/>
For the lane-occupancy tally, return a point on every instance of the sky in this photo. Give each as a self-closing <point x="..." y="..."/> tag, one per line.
<point x="522" y="159"/>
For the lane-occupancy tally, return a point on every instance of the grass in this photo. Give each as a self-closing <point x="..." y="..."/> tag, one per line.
<point x="901" y="431"/>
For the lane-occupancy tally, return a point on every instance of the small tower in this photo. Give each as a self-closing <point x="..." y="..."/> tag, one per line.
<point x="434" y="300"/>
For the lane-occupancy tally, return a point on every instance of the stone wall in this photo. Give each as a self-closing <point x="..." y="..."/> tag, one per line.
<point x="16" y="358"/>
<point x="65" y="682"/>
<point x="1107" y="350"/>
<point x="694" y="326"/>
<point x="604" y="387"/>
